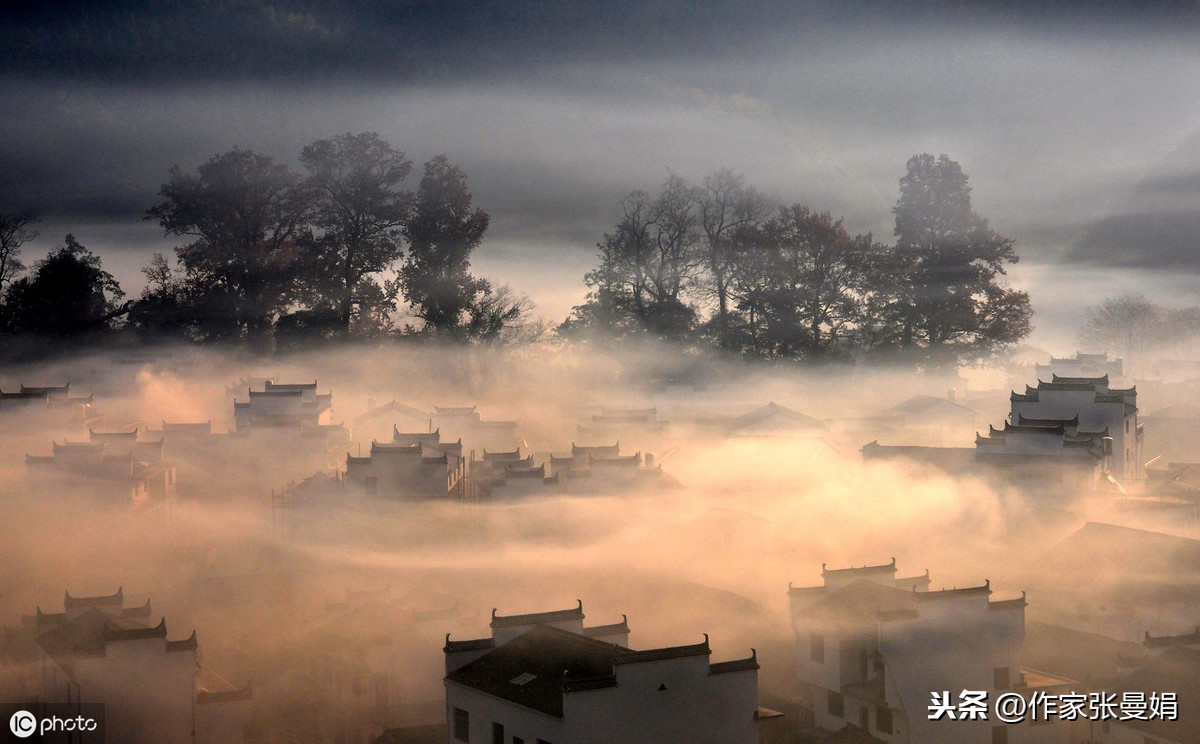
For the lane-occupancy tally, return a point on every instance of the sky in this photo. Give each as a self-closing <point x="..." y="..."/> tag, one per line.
<point x="1079" y="126"/>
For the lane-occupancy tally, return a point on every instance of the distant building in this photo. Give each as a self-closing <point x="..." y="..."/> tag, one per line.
<point x="411" y="467"/>
<point x="1082" y="365"/>
<point x="476" y="433"/>
<point x="287" y="427"/>
<point x="1087" y="407"/>
<point x="42" y="408"/>
<point x="1063" y="438"/>
<point x="100" y="651"/>
<point x="871" y="648"/>
<point x="545" y="678"/>
<point x="111" y="467"/>
<point x="603" y="469"/>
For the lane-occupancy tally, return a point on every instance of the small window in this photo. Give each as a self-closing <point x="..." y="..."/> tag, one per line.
<point x="462" y="725"/>
<point x="497" y="733"/>
<point x="999" y="734"/>
<point x="837" y="706"/>
<point x="1000" y="678"/>
<point x="883" y="719"/>
<point x="816" y="647"/>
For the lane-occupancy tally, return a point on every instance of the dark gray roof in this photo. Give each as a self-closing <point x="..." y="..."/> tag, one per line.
<point x="553" y="657"/>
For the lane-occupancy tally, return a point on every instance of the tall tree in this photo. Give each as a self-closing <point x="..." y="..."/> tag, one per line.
<point x="443" y="231"/>
<point x="68" y="295"/>
<point x="359" y="213"/>
<point x="248" y="217"/>
<point x="1127" y="326"/>
<point x="648" y="265"/>
<point x="16" y="229"/>
<point x="940" y="298"/>
<point x="727" y="211"/>
<point x="815" y="281"/>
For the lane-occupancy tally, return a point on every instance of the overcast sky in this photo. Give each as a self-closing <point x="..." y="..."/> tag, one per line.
<point x="1079" y="127"/>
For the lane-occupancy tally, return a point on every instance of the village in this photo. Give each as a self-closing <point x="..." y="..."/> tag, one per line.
<point x="667" y="509"/>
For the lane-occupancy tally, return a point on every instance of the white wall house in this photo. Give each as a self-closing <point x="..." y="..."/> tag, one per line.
<point x="99" y="651"/>
<point x="872" y="648"/>
<point x="1087" y="407"/>
<point x="546" y="679"/>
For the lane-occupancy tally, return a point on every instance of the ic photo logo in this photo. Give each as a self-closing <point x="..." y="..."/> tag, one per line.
<point x="23" y="724"/>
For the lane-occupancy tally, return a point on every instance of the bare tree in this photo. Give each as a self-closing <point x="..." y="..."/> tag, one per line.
<point x="1126" y="325"/>
<point x="15" y="230"/>
<point x="727" y="210"/>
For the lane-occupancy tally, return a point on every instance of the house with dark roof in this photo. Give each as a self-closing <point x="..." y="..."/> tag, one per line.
<point x="113" y="467"/>
<point x="1082" y="365"/>
<point x="545" y="677"/>
<point x="1064" y="438"/>
<point x="153" y="687"/>
<point x="476" y="432"/>
<point x="412" y="467"/>
<point x="871" y="648"/>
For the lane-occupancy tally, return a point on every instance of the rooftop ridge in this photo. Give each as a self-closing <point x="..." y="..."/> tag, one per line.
<point x="662" y="654"/>
<point x="1185" y="639"/>
<point x="610" y="629"/>
<point x="858" y="569"/>
<point x="187" y="644"/>
<point x="537" y="618"/>
<point x="984" y="588"/>
<point x="474" y="644"/>
<point x="1009" y="604"/>
<point x="117" y="598"/>
<point x="133" y="634"/>
<point x="736" y="665"/>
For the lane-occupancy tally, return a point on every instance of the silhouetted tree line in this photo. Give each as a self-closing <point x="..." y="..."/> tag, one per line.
<point x="276" y="256"/>
<point x="718" y="264"/>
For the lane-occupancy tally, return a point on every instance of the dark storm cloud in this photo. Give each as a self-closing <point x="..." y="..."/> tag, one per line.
<point x="555" y="109"/>
<point x="155" y="40"/>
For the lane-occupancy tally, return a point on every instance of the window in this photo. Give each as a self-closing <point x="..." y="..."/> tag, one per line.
<point x="883" y="719"/>
<point x="462" y="725"/>
<point x="497" y="733"/>
<point x="1000" y="678"/>
<point x="837" y="706"/>
<point x="999" y="734"/>
<point x="816" y="647"/>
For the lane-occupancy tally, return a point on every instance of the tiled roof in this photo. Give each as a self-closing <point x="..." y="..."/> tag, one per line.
<point x="537" y="618"/>
<point x="534" y="669"/>
<point x="1187" y="639"/>
<point x="663" y="654"/>
<point x="737" y="665"/>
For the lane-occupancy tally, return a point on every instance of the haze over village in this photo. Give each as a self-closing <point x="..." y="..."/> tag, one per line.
<point x="653" y="373"/>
